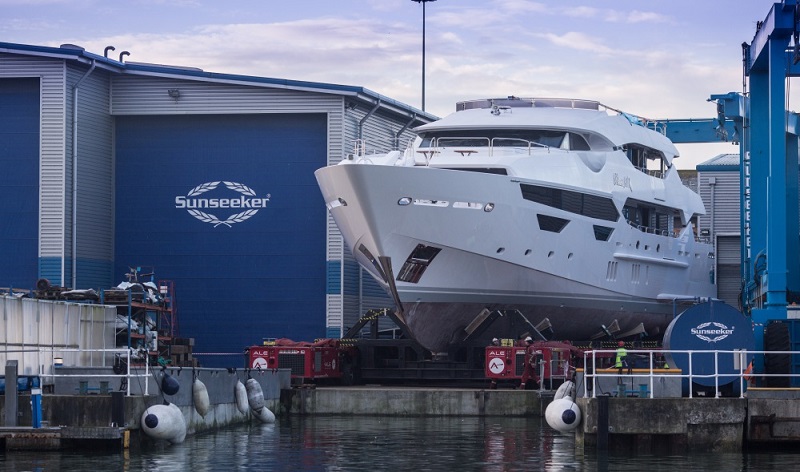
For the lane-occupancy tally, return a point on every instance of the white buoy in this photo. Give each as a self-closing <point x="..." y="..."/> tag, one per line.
<point x="563" y="414"/>
<point x="255" y="395"/>
<point x="200" y="397"/>
<point x="241" y="397"/>
<point x="164" y="422"/>
<point x="265" y="415"/>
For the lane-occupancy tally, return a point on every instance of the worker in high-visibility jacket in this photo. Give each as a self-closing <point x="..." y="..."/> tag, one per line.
<point x="622" y="355"/>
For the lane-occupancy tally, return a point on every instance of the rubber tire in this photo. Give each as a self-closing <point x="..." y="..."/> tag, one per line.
<point x="776" y="338"/>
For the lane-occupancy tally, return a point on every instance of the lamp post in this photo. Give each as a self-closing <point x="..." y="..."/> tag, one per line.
<point x="423" y="2"/>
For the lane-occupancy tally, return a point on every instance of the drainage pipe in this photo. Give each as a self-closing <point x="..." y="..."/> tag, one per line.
<point x="74" y="275"/>
<point x="402" y="130"/>
<point x="366" y="117"/>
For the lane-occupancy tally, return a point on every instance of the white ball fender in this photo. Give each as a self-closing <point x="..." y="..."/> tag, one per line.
<point x="241" y="397"/>
<point x="255" y="395"/>
<point x="264" y="415"/>
<point x="563" y="414"/>
<point x="164" y="422"/>
<point x="200" y="397"/>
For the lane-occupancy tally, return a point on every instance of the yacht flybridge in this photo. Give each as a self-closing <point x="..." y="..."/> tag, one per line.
<point x="565" y="211"/>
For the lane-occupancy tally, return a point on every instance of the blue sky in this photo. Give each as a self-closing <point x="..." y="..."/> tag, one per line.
<point x="658" y="59"/>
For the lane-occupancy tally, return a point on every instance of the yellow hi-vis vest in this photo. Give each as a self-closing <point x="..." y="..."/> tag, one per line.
<point x="621" y="353"/>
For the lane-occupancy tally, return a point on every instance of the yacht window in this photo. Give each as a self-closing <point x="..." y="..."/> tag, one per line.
<point x="649" y="217"/>
<point x="485" y="170"/>
<point x="551" y="223"/>
<point x="602" y="233"/>
<point x="648" y="160"/>
<point x="578" y="143"/>
<point x="574" y="202"/>
<point x="504" y="138"/>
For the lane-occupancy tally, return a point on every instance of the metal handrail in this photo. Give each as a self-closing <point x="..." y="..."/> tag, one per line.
<point x="654" y="372"/>
<point x="128" y="375"/>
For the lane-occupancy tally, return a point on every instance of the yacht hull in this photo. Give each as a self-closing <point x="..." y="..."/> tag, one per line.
<point x="491" y="251"/>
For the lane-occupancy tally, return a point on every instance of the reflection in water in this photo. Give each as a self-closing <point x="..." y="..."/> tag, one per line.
<point x="392" y="444"/>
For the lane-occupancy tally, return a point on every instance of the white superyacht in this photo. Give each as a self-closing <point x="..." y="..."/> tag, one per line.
<point x="568" y="211"/>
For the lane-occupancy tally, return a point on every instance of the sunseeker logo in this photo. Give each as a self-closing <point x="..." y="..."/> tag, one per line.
<point x="719" y="331"/>
<point x="193" y="204"/>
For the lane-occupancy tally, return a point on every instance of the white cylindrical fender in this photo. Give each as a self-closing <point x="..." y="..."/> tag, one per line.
<point x="164" y="422"/>
<point x="563" y="414"/>
<point x="265" y="415"/>
<point x="200" y="397"/>
<point x="255" y="395"/>
<point x="241" y="397"/>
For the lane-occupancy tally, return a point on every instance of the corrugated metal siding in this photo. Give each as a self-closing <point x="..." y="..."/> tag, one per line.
<point x="49" y="329"/>
<point x="725" y="211"/>
<point x="728" y="249"/>
<point x="51" y="154"/>
<point x="142" y="95"/>
<point x="729" y="269"/>
<point x="334" y="244"/>
<point x="95" y="173"/>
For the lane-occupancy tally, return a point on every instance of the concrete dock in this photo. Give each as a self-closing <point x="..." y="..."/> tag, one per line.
<point x="642" y="425"/>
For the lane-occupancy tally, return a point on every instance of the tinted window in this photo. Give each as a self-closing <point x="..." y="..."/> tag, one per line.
<point x="574" y="202"/>
<point x="551" y="223"/>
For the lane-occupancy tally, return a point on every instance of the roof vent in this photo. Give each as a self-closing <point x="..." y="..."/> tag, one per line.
<point x="72" y="46"/>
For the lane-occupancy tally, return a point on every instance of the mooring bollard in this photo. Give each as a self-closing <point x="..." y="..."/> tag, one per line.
<point x="36" y="407"/>
<point x="11" y="393"/>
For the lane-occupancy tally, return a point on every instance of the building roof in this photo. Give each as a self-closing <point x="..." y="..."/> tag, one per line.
<point x="78" y="54"/>
<point x="721" y="162"/>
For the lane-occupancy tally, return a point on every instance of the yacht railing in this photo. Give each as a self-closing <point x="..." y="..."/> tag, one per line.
<point x="657" y="173"/>
<point x="593" y="370"/>
<point x="651" y="230"/>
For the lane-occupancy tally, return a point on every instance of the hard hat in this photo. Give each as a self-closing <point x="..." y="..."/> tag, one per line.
<point x="621" y="343"/>
<point x="528" y="339"/>
<point x="495" y="340"/>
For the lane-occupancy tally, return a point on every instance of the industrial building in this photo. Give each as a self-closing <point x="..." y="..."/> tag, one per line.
<point x="205" y="179"/>
<point x="719" y="188"/>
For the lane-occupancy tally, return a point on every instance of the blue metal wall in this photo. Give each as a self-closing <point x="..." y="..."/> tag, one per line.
<point x="19" y="182"/>
<point x="257" y="274"/>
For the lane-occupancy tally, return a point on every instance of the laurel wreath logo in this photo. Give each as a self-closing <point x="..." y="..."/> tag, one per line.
<point x="715" y="324"/>
<point x="211" y="218"/>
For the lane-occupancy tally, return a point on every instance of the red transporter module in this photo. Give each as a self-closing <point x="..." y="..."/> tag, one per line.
<point x="555" y="364"/>
<point x="308" y="361"/>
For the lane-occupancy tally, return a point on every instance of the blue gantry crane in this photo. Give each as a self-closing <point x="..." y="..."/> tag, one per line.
<point x="758" y="119"/>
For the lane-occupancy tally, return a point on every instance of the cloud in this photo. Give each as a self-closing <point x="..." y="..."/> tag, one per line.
<point x="579" y="41"/>
<point x="634" y="16"/>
